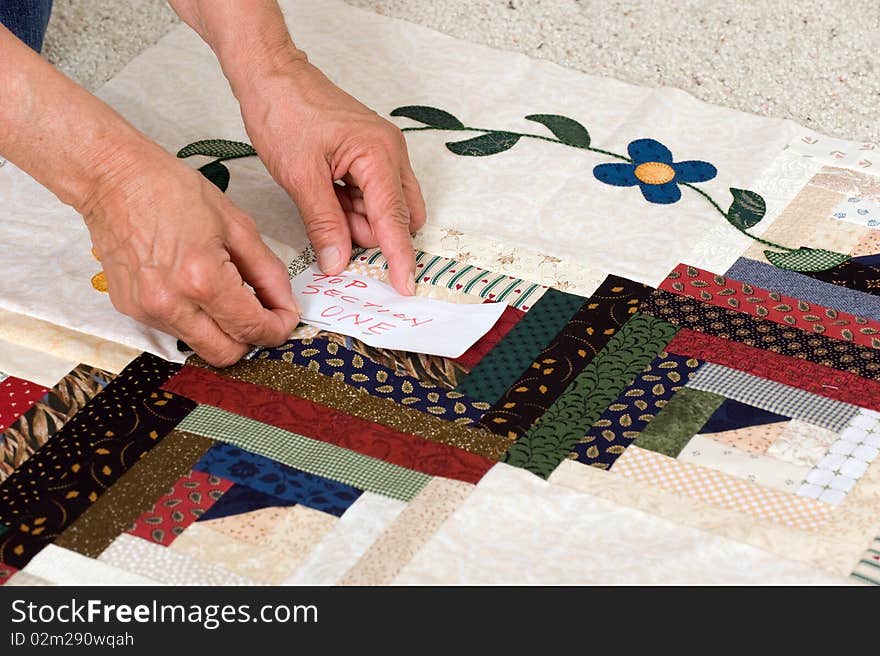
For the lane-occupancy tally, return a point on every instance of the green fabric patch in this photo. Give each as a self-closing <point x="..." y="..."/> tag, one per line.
<point x="806" y="259"/>
<point x="220" y="148"/>
<point x="501" y="368"/>
<point x="682" y="418"/>
<point x="216" y="173"/>
<point x="312" y="456"/>
<point x="566" y="422"/>
<point x="3" y="529"/>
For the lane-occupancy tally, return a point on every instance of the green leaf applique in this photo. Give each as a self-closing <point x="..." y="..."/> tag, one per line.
<point x="220" y="148"/>
<point x="436" y="118"/>
<point x="747" y="209"/>
<point x="216" y="173"/>
<point x="486" y="144"/>
<point x="567" y="130"/>
<point x="806" y="259"/>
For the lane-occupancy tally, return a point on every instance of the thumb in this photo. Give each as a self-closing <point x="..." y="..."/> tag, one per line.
<point x="324" y="219"/>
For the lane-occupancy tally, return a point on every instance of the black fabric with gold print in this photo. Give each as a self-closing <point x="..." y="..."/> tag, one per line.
<point x="88" y="455"/>
<point x="587" y="333"/>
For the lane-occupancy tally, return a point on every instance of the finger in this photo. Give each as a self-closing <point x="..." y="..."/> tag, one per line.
<point x="389" y="217"/>
<point x="355" y="213"/>
<point x="262" y="270"/>
<point x="204" y="336"/>
<point x="155" y="305"/>
<point x="355" y="195"/>
<point x="237" y="311"/>
<point x="414" y="199"/>
<point x="324" y="219"/>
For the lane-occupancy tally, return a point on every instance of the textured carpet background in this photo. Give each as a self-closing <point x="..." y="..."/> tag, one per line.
<point x="813" y="61"/>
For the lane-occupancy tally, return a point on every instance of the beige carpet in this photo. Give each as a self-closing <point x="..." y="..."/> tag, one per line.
<point x="811" y="61"/>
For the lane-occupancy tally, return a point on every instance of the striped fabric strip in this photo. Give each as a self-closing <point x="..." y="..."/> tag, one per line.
<point x="770" y="305"/>
<point x="468" y="279"/>
<point x="327" y="424"/>
<point x="624" y="420"/>
<point x="721" y="489"/>
<point x="803" y="287"/>
<point x="565" y="423"/>
<point x="332" y="359"/>
<point x="481" y="348"/>
<point x="313" y="456"/>
<point x="502" y="366"/>
<point x="780" y="338"/>
<point x="805" y="375"/>
<point x="867" y="570"/>
<point x="774" y="397"/>
<point x="289" y="485"/>
<point x="303" y="382"/>
<point x="571" y="349"/>
<point x="87" y="456"/>
<point x="135" y="492"/>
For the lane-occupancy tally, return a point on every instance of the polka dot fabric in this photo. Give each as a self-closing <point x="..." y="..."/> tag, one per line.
<point x="16" y="397"/>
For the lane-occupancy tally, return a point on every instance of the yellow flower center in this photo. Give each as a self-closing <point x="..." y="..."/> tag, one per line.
<point x="654" y="173"/>
<point x="99" y="281"/>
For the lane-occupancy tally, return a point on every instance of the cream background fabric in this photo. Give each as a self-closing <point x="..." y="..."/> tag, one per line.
<point x="62" y="566"/>
<point x="516" y="528"/>
<point x="33" y="366"/>
<point x="346" y="542"/>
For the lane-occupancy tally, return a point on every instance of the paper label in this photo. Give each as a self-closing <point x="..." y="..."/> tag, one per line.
<point x="375" y="313"/>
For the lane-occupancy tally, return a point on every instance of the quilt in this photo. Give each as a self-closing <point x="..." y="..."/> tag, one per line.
<point x="684" y="385"/>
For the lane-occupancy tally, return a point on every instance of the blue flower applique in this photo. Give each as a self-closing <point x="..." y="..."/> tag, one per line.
<point x="653" y="170"/>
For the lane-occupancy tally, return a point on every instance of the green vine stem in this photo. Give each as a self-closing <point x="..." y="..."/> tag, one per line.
<point x="727" y="218"/>
<point x="521" y="134"/>
<point x="609" y="154"/>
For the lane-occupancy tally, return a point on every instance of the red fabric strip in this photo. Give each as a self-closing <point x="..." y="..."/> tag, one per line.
<point x="805" y="375"/>
<point x="487" y="342"/>
<point x="16" y="397"/>
<point x="6" y="572"/>
<point x="190" y="497"/>
<point x="323" y="423"/>
<point x="785" y="310"/>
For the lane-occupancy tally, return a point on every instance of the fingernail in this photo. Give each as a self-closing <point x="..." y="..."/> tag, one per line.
<point x="411" y="283"/>
<point x="328" y="258"/>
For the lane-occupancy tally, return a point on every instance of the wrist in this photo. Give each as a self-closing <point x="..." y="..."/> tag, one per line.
<point x="122" y="156"/>
<point x="252" y="70"/>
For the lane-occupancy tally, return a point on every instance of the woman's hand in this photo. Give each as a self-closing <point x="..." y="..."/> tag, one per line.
<point x="309" y="133"/>
<point x="177" y="254"/>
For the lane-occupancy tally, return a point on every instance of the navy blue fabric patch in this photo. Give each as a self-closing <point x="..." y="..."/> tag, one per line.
<point x="731" y="415"/>
<point x="332" y="359"/>
<point x="240" y="499"/>
<point x="276" y="479"/>
<point x="634" y="409"/>
<point x="868" y="260"/>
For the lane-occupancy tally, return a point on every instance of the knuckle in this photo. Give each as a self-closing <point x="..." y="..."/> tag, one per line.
<point x="392" y="136"/>
<point x="321" y="223"/>
<point x="245" y="333"/>
<point x="222" y="358"/>
<point x="198" y="280"/>
<point x="243" y="223"/>
<point x="398" y="212"/>
<point x="158" y="303"/>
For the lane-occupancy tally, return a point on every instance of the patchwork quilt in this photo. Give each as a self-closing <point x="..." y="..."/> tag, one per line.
<point x="684" y="385"/>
